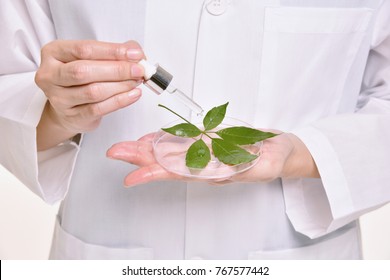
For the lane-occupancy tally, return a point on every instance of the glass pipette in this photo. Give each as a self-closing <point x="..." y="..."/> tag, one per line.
<point x="159" y="80"/>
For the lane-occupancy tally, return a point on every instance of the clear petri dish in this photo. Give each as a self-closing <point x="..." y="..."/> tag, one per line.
<point x="170" y="152"/>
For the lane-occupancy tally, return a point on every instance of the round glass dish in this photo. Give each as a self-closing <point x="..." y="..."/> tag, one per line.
<point x="170" y="152"/>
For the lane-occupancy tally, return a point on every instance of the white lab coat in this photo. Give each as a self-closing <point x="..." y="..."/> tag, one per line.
<point x="319" y="69"/>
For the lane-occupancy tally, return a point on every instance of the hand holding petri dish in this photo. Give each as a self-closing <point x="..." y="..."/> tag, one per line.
<point x="218" y="148"/>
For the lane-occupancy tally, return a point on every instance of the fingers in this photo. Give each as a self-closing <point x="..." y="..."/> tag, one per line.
<point x="83" y="72"/>
<point x="221" y="183"/>
<point x="140" y="153"/>
<point x="133" y="50"/>
<point x="149" y="174"/>
<point x="148" y="137"/>
<point x="85" y="80"/>
<point x="68" y="50"/>
<point x="114" y="103"/>
<point x="68" y="97"/>
<point x="70" y="63"/>
<point x="135" y="152"/>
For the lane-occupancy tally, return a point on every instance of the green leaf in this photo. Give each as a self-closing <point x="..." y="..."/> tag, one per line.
<point x="242" y="135"/>
<point x="183" y="130"/>
<point x="214" y="117"/>
<point x="229" y="153"/>
<point x="198" y="155"/>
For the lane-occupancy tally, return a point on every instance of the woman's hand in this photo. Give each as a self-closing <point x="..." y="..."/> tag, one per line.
<point x="282" y="156"/>
<point x="83" y="81"/>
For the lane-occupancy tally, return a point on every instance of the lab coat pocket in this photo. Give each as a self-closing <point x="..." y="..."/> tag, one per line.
<point x="66" y="247"/>
<point x="306" y="57"/>
<point x="342" y="247"/>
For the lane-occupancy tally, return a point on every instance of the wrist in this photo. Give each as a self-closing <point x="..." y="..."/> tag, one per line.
<point x="50" y="130"/>
<point x="299" y="163"/>
<point x="56" y="120"/>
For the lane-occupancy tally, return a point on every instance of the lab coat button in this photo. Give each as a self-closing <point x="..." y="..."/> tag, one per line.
<point x="217" y="7"/>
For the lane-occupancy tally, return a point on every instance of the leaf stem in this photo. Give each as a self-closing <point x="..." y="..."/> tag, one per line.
<point x="165" y="107"/>
<point x="173" y="112"/>
<point x="204" y="133"/>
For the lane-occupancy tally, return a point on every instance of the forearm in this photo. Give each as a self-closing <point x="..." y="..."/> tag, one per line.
<point x="50" y="133"/>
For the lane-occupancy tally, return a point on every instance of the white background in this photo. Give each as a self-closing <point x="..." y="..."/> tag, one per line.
<point x="26" y="224"/>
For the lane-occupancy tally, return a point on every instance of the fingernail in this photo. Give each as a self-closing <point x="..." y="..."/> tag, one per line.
<point x="129" y="184"/>
<point x="138" y="180"/>
<point x="133" y="184"/>
<point x="137" y="71"/>
<point x="134" y="54"/>
<point x="134" y="93"/>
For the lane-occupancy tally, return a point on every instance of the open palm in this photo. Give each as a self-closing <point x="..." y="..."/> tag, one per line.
<point x="275" y="161"/>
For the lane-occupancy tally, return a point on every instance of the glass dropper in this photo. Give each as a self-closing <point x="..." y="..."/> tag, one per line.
<point x="159" y="80"/>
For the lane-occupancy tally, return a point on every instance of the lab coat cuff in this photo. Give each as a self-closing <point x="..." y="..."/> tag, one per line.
<point x="54" y="166"/>
<point x="47" y="173"/>
<point x="316" y="207"/>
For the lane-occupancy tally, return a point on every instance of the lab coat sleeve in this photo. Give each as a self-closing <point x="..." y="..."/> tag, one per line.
<point x="352" y="151"/>
<point x="25" y="27"/>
